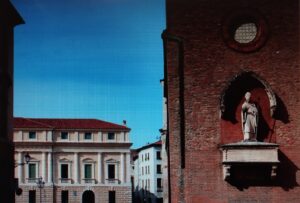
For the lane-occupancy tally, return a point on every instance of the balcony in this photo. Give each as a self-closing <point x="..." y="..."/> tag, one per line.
<point x="32" y="180"/>
<point x="159" y="189"/>
<point x="89" y="180"/>
<point x="65" y="180"/>
<point x="113" y="181"/>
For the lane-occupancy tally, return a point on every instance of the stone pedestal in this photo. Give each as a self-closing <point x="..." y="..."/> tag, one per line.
<point x="249" y="153"/>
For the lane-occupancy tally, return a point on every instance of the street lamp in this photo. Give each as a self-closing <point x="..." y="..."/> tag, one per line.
<point x="27" y="159"/>
<point x="41" y="184"/>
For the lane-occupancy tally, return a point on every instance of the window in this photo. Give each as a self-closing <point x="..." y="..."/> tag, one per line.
<point x="111" y="171"/>
<point x="87" y="136"/>
<point x="64" y="135"/>
<point x="32" y="198"/>
<point x="146" y="157"/>
<point x="148" y="169"/>
<point x="159" y="185"/>
<point x="32" y="135"/>
<point x="142" y="170"/>
<point x="32" y="171"/>
<point x="112" y="196"/>
<point x="111" y="136"/>
<point x="245" y="32"/>
<point x="142" y="157"/>
<point x="64" y="196"/>
<point x="158" y="155"/>
<point x="87" y="171"/>
<point x="158" y="168"/>
<point x="64" y="171"/>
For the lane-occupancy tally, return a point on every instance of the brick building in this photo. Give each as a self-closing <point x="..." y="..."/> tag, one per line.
<point x="77" y="160"/>
<point x="216" y="51"/>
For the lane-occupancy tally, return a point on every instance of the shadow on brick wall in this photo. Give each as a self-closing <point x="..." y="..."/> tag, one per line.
<point x="281" y="112"/>
<point x="253" y="175"/>
<point x="286" y="172"/>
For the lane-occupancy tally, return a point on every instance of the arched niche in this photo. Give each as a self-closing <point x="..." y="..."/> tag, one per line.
<point x="231" y="101"/>
<point x="238" y="85"/>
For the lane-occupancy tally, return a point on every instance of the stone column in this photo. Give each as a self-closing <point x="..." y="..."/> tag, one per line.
<point x="44" y="165"/>
<point x="20" y="167"/>
<point x="128" y="168"/>
<point x="100" y="137"/>
<point x="77" y="136"/>
<point x="76" y="166"/>
<point x="122" y="168"/>
<point x="99" y="167"/>
<point x="50" y="167"/>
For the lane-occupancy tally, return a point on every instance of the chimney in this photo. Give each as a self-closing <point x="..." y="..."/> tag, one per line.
<point x="124" y="122"/>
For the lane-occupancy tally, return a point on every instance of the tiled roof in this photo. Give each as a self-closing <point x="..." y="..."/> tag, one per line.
<point x="157" y="143"/>
<point x="52" y="123"/>
<point x="154" y="144"/>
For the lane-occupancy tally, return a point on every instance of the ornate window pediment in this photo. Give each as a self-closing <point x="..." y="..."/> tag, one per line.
<point x="64" y="160"/>
<point x="88" y="160"/>
<point x="111" y="161"/>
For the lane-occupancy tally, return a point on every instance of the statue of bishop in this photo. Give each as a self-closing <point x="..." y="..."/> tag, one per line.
<point x="249" y="119"/>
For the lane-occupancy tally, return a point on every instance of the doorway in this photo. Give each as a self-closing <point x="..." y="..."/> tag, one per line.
<point x="88" y="197"/>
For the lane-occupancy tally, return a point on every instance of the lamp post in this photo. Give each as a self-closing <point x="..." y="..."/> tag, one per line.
<point x="41" y="184"/>
<point x="27" y="159"/>
<point x="18" y="190"/>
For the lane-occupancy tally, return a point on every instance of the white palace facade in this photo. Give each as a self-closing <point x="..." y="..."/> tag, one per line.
<point x="72" y="160"/>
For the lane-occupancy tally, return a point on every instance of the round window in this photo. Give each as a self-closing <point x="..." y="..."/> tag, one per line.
<point x="245" y="31"/>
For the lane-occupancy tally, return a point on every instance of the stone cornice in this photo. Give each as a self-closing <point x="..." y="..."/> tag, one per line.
<point x="72" y="144"/>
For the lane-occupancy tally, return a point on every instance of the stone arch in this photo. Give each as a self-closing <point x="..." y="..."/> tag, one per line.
<point x="249" y="80"/>
<point x="88" y="196"/>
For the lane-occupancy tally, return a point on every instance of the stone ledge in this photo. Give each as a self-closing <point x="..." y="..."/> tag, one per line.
<point x="249" y="153"/>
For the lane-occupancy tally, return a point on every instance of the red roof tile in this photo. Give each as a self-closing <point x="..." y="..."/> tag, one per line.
<point x="154" y="144"/>
<point x="50" y="123"/>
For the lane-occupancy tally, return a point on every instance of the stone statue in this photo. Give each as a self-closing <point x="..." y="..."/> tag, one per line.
<point x="249" y="119"/>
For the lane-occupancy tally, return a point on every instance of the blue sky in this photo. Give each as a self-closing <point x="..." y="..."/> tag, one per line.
<point x="91" y="59"/>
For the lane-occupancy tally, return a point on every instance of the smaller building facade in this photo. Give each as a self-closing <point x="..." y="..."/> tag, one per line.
<point x="72" y="160"/>
<point x="148" y="178"/>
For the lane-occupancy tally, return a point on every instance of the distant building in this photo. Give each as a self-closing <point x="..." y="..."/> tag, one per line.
<point x="79" y="160"/>
<point x="148" y="182"/>
<point x="164" y="148"/>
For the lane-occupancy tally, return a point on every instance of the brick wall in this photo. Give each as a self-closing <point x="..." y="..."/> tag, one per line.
<point x="208" y="65"/>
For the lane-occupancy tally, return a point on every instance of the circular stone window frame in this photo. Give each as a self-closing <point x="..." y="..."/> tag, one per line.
<point x="240" y="17"/>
